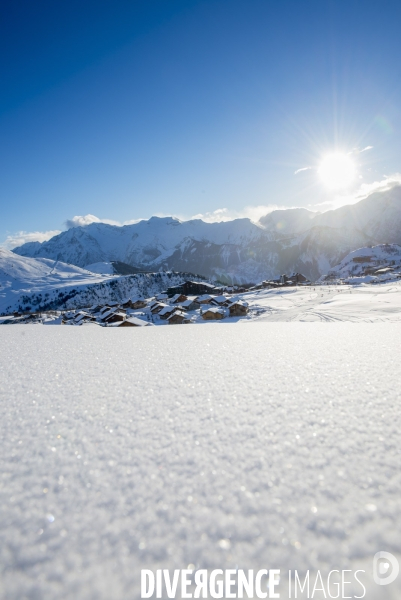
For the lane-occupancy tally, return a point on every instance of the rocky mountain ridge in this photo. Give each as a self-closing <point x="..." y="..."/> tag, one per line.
<point x="283" y="241"/>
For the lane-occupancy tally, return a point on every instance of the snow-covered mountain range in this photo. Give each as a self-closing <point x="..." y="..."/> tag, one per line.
<point x="32" y="284"/>
<point x="284" y="241"/>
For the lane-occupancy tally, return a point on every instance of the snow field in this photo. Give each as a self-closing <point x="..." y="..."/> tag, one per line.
<point x="265" y="445"/>
<point x="362" y="303"/>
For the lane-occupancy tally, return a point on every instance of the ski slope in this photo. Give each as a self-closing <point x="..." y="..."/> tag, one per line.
<point x="21" y="276"/>
<point x="38" y="284"/>
<point x="269" y="445"/>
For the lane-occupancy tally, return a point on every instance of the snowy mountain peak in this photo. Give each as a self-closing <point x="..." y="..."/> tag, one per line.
<point x="284" y="241"/>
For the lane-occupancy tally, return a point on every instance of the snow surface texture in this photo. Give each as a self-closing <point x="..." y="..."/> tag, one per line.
<point x="269" y="445"/>
<point x="369" y="303"/>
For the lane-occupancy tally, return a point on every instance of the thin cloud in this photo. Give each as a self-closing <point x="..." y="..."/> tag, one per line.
<point x="83" y="221"/>
<point x="23" y="237"/>
<point x="366" y="149"/>
<point x="254" y="213"/>
<point x="384" y="185"/>
<point x="132" y="221"/>
<point x="365" y="190"/>
<point x="358" y="151"/>
<point x="303" y="169"/>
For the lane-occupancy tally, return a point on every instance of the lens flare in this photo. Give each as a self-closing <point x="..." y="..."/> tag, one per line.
<point x="337" y="171"/>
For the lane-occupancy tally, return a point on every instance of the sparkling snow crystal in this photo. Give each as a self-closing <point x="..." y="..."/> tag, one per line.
<point x="269" y="445"/>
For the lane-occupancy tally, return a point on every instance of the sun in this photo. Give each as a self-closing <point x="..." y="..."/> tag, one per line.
<point x="337" y="171"/>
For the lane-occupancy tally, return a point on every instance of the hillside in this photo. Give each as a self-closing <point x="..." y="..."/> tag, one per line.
<point x="30" y="284"/>
<point x="377" y="261"/>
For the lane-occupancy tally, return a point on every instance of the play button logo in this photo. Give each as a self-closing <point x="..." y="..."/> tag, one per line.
<point x="385" y="568"/>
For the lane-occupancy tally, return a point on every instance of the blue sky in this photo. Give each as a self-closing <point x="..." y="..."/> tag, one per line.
<point x="187" y="107"/>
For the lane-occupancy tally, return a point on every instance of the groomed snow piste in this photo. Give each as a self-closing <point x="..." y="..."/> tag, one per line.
<point x="267" y="445"/>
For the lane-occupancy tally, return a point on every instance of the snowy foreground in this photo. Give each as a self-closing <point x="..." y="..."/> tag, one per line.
<point x="269" y="445"/>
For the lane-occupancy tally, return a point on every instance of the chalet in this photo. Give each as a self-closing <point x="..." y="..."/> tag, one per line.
<point x="384" y="271"/>
<point x="236" y="289"/>
<point x="205" y="299"/>
<point x="157" y="307"/>
<point x="68" y="315"/>
<point x="178" y="298"/>
<point x="161" y="297"/>
<point x="219" y="300"/>
<point x="83" y="317"/>
<point x="78" y="316"/>
<point x="95" y="308"/>
<point x="299" y="278"/>
<point x="362" y="259"/>
<point x="31" y="318"/>
<point x="238" y="309"/>
<point x="178" y="318"/>
<point x="138" y="303"/>
<point x="213" y="314"/>
<point x="134" y="303"/>
<point x="128" y="303"/>
<point x="191" y="288"/>
<point x="167" y="311"/>
<point x="293" y="280"/>
<point x="114" y="305"/>
<point x="114" y="317"/>
<point x="131" y="322"/>
<point x="369" y="270"/>
<point x="189" y="305"/>
<point x="13" y="321"/>
<point x="104" y="313"/>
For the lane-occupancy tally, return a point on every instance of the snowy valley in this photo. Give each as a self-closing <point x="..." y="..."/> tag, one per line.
<point x="365" y="286"/>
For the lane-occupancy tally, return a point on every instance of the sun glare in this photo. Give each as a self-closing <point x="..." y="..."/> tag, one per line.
<point x="337" y="171"/>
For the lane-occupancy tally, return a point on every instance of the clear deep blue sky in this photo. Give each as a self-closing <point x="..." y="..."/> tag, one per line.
<point x="131" y="108"/>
